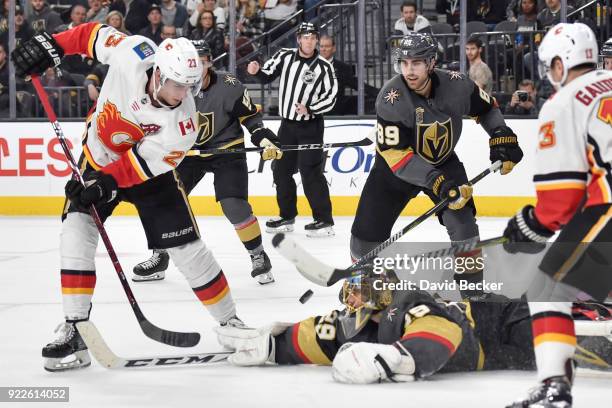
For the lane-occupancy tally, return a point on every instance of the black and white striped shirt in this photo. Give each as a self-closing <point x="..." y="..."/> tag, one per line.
<point x="311" y="82"/>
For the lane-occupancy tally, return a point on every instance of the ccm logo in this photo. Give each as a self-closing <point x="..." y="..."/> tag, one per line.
<point x="52" y="51"/>
<point x="175" y="234"/>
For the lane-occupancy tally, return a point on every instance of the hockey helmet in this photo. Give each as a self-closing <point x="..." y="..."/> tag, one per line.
<point x="177" y="59"/>
<point x="307" y="28"/>
<point x="575" y="44"/>
<point x="414" y="45"/>
<point x="606" y="50"/>
<point x="202" y="48"/>
<point x="363" y="296"/>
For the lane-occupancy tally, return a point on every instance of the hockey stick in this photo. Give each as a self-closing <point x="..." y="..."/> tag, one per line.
<point x="325" y="275"/>
<point x="363" y="142"/>
<point x="107" y="358"/>
<point x="171" y="338"/>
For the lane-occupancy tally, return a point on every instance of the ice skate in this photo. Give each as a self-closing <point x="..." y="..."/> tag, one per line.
<point x="279" y="224"/>
<point x="68" y="351"/>
<point x="261" y="268"/>
<point x="319" y="229"/>
<point x="152" y="269"/>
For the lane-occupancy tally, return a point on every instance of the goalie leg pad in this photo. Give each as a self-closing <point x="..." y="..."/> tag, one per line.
<point x="205" y="277"/>
<point x="78" y="243"/>
<point x="367" y="363"/>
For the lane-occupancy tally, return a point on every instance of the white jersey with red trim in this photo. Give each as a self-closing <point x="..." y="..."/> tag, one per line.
<point x="574" y="154"/>
<point x="127" y="136"/>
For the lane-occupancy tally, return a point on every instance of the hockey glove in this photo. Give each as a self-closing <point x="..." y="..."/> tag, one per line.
<point x="458" y="195"/>
<point x="271" y="149"/>
<point x="100" y="188"/>
<point x="525" y="233"/>
<point x="252" y="347"/>
<point x="367" y="363"/>
<point x="36" y="55"/>
<point x="504" y="146"/>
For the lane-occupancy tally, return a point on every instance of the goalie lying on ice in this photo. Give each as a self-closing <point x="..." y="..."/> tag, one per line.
<point x="398" y="336"/>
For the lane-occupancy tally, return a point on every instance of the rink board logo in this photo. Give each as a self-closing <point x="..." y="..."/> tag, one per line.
<point x="435" y="141"/>
<point x="144" y="50"/>
<point x="176" y="234"/>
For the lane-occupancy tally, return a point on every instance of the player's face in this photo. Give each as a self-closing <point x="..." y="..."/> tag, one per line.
<point x="607" y="63"/>
<point x="172" y="93"/>
<point x="307" y="43"/>
<point x="416" y="72"/>
<point x="353" y="299"/>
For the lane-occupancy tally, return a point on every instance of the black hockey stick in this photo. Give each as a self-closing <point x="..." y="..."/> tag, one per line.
<point x="107" y="358"/>
<point x="325" y="275"/>
<point x="363" y="142"/>
<point x="171" y="338"/>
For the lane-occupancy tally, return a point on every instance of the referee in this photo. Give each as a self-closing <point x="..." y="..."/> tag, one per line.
<point x="307" y="89"/>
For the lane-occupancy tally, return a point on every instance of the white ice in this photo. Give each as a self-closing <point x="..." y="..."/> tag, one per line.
<point x="30" y="308"/>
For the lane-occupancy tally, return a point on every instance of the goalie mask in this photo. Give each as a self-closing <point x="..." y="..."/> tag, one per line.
<point x="363" y="296"/>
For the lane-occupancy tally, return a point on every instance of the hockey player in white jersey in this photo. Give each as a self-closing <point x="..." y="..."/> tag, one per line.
<point x="573" y="181"/>
<point x="139" y="131"/>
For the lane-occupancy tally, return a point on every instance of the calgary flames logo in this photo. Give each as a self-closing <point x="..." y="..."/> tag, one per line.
<point x="116" y="132"/>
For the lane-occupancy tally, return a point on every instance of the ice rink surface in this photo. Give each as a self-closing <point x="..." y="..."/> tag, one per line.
<point x="30" y="309"/>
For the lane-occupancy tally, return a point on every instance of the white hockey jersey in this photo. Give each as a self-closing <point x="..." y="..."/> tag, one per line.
<point x="574" y="154"/>
<point x="126" y="135"/>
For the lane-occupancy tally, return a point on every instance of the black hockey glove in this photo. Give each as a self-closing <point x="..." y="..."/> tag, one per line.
<point x="525" y="233"/>
<point x="262" y="133"/>
<point x="458" y="195"/>
<point x="504" y="146"/>
<point x="36" y="55"/>
<point x="100" y="188"/>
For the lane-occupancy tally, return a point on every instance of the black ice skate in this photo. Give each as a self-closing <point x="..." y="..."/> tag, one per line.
<point x="261" y="268"/>
<point x="319" y="229"/>
<point x="152" y="269"/>
<point x="555" y="392"/>
<point x="68" y="352"/>
<point x="280" y="225"/>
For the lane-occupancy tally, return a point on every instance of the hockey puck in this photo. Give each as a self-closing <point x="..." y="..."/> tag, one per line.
<point x="306" y="296"/>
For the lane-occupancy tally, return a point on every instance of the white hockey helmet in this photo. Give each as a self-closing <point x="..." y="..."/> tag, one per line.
<point x="574" y="44"/>
<point x="177" y="59"/>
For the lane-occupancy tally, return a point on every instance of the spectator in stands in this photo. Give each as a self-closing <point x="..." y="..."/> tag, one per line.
<point x="168" y="31"/>
<point x="115" y="19"/>
<point x="450" y="8"/>
<point x="43" y="18"/>
<point x="23" y="31"/>
<point x="479" y="72"/>
<point x="135" y="12"/>
<point x="62" y="100"/>
<point x="525" y="100"/>
<point x="93" y="82"/>
<point x="515" y="9"/>
<point x="410" y="20"/>
<point x="276" y="12"/>
<point x="78" y="14"/>
<point x="173" y="13"/>
<point x="551" y="14"/>
<point x="345" y="74"/>
<point x="153" y="30"/>
<point x="206" y="30"/>
<point x="490" y="12"/>
<point x="249" y="18"/>
<point x="24" y="99"/>
<point x="605" y="55"/>
<point x="97" y="12"/>
<point x="207" y="5"/>
<point x="527" y="21"/>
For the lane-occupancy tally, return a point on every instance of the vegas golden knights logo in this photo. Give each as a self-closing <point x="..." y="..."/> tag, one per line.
<point x="435" y="141"/>
<point x="206" y="127"/>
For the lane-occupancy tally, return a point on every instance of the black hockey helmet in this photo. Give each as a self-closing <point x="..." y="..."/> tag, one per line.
<point x="307" y="28"/>
<point x="414" y="45"/>
<point x="202" y="48"/>
<point x="606" y="49"/>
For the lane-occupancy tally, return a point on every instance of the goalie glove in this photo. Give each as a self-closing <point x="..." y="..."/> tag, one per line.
<point x="504" y="146"/>
<point x="264" y="137"/>
<point x="367" y="363"/>
<point x="252" y="347"/>
<point x="458" y="195"/>
<point x="525" y="233"/>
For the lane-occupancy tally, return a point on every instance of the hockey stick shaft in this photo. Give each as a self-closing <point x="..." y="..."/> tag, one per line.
<point x="285" y="148"/>
<point x="441" y="205"/>
<point x="164" y="336"/>
<point x="107" y="358"/>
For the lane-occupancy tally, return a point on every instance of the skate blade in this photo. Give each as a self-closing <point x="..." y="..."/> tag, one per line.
<point x="322" y="233"/>
<point x="265" y="278"/>
<point x="80" y="359"/>
<point x="156" y="276"/>
<point x="284" y="228"/>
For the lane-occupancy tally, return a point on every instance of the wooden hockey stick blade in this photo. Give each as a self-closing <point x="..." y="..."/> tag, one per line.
<point x="107" y="358"/>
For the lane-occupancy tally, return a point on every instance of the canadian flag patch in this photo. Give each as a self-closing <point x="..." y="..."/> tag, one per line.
<point x="186" y="126"/>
